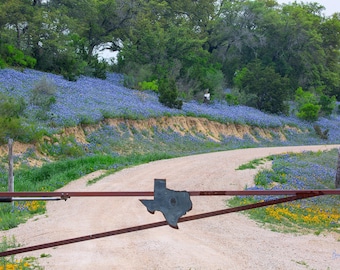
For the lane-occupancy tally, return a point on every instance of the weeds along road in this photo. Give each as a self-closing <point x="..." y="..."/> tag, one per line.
<point x="223" y="242"/>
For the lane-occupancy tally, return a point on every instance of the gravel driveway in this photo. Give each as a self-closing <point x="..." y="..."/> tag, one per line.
<point x="223" y="242"/>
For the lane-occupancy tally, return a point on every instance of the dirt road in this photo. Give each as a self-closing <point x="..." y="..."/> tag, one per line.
<point x="225" y="242"/>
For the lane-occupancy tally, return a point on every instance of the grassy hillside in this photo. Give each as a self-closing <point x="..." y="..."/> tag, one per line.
<point x="90" y="101"/>
<point x="98" y="124"/>
<point x="93" y="117"/>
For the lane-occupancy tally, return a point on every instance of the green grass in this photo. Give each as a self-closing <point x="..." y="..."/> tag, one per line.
<point x="52" y="176"/>
<point x="253" y="164"/>
<point x="298" y="171"/>
<point x="293" y="217"/>
<point x="11" y="262"/>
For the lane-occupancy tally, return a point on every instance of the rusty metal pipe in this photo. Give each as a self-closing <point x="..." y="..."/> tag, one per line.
<point x="66" y="195"/>
<point x="156" y="224"/>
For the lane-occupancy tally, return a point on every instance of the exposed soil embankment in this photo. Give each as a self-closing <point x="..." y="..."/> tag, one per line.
<point x="185" y="125"/>
<point x="211" y="130"/>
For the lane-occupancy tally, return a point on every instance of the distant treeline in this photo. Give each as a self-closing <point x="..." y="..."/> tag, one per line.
<point x="263" y="51"/>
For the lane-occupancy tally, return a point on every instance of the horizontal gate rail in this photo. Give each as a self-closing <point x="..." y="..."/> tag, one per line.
<point x="66" y="195"/>
<point x="158" y="224"/>
<point x="167" y="196"/>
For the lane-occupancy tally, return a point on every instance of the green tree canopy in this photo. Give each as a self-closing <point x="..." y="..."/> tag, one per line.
<point x="200" y="44"/>
<point x="268" y="88"/>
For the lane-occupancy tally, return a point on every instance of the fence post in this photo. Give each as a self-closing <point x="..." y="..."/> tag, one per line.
<point x="10" y="167"/>
<point x="337" y="178"/>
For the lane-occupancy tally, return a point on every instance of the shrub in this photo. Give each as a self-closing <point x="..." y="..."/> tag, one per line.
<point x="15" y="57"/>
<point x="43" y="94"/>
<point x="97" y="68"/>
<point x="70" y="65"/>
<point x="10" y="122"/>
<point x="129" y="81"/>
<point x="327" y="105"/>
<point x="215" y="81"/>
<point x="10" y="128"/>
<point x="308" y="104"/>
<point x="304" y="97"/>
<point x="231" y="99"/>
<point x="168" y="94"/>
<point x="153" y="85"/>
<point x="309" y="112"/>
<point x="268" y="88"/>
<point x="2" y="63"/>
<point x="11" y="107"/>
<point x="64" y="147"/>
<point x="135" y="73"/>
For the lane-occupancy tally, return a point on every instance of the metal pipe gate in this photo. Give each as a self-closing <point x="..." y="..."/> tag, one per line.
<point x="173" y="205"/>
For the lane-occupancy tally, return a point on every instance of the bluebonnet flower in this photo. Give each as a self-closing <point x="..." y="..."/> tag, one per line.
<point x="89" y="100"/>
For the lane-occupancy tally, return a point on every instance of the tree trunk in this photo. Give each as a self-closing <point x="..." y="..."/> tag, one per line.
<point x="337" y="178"/>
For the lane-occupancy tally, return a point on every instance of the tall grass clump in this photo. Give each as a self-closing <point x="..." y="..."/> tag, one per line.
<point x="7" y="263"/>
<point x="43" y="95"/>
<point x="307" y="170"/>
<point x="11" y="121"/>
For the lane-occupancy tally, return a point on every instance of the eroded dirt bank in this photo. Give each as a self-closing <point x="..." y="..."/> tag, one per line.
<point x="180" y="124"/>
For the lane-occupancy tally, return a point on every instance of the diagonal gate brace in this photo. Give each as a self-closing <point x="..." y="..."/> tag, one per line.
<point x="173" y="205"/>
<point x="153" y="225"/>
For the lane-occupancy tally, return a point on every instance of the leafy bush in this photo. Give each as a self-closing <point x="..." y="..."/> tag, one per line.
<point x="303" y="97"/>
<point x="168" y="94"/>
<point x="213" y="80"/>
<point x="308" y="104"/>
<point x="10" y="122"/>
<point x="134" y="73"/>
<point x="64" y="147"/>
<point x="2" y="62"/>
<point x="15" y="57"/>
<point x="10" y="128"/>
<point x="69" y="64"/>
<point x="309" y="112"/>
<point x="129" y="81"/>
<point x="11" y="107"/>
<point x="43" y="93"/>
<point x="231" y="99"/>
<point x="17" y="129"/>
<point x="327" y="105"/>
<point x="267" y="86"/>
<point x="153" y="85"/>
<point x="97" y="68"/>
